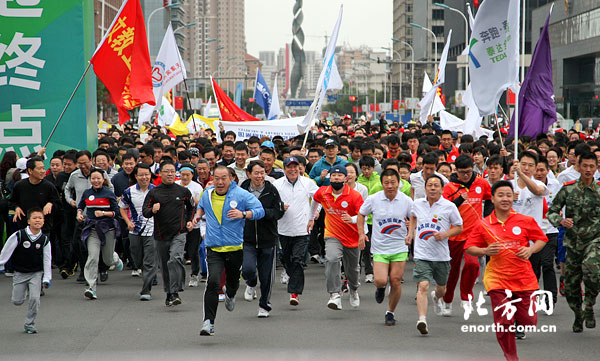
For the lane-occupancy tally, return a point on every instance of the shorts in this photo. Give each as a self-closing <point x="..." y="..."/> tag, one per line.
<point x="388" y="258"/>
<point x="437" y="271"/>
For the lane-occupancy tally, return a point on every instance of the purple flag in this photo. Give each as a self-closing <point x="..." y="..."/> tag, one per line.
<point x="536" y="98"/>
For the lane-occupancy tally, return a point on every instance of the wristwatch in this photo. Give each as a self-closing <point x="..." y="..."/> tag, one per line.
<point x="244" y="214"/>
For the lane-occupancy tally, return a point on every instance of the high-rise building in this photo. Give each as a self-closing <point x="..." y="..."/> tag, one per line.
<point x="267" y="57"/>
<point x="104" y="13"/>
<point x="157" y="17"/>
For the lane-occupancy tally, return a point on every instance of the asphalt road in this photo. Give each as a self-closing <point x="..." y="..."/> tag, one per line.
<point x="118" y="326"/>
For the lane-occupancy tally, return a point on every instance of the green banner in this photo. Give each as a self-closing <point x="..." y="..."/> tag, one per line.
<point x="44" y="48"/>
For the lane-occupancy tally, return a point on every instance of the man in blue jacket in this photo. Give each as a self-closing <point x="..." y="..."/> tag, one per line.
<point x="320" y="170"/>
<point x="226" y="207"/>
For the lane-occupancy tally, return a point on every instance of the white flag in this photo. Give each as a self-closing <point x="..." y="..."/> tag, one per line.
<point x="166" y="113"/>
<point x="425" y="103"/>
<point x="168" y="71"/>
<point x="473" y="121"/>
<point x="327" y="80"/>
<point x="207" y="108"/>
<point x="494" y="53"/>
<point x="274" y="110"/>
<point x="431" y="97"/>
<point x="471" y="22"/>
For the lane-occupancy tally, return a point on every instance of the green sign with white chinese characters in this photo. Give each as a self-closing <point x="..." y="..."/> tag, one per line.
<point x="44" y="48"/>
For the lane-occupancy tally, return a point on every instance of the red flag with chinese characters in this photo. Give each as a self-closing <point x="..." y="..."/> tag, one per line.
<point x="122" y="60"/>
<point x="229" y="111"/>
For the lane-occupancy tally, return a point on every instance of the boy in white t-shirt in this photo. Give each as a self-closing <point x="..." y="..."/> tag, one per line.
<point x="529" y="192"/>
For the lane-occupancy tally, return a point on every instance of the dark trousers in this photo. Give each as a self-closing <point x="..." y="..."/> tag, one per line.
<point x="192" y="245"/>
<point x="543" y="264"/>
<point x="142" y="251"/>
<point x="231" y="262"/>
<point x="294" y="249"/>
<point x="317" y="236"/>
<point x="263" y="261"/>
<point x="172" y="266"/>
<point x="365" y="254"/>
<point x="68" y="246"/>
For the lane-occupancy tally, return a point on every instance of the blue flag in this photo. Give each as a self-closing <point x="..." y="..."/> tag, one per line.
<point x="238" y="94"/>
<point x="262" y="93"/>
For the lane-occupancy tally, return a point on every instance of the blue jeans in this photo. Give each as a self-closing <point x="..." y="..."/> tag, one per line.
<point x="263" y="260"/>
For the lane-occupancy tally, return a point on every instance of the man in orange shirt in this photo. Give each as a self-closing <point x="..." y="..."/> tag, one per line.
<point x="505" y="236"/>
<point x="341" y="204"/>
<point x="467" y="191"/>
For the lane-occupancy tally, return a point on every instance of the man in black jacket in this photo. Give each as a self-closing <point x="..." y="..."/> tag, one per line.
<point x="172" y="207"/>
<point x="260" y="238"/>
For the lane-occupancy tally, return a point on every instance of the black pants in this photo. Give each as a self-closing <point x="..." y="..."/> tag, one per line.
<point x="231" y="262"/>
<point x="67" y="244"/>
<point x="294" y="249"/>
<point x="263" y="261"/>
<point x="365" y="254"/>
<point x="543" y="264"/>
<point x="192" y="244"/>
<point x="317" y="236"/>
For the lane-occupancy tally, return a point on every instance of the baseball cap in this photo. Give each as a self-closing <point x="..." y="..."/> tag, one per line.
<point x="268" y="144"/>
<point x="338" y="169"/>
<point x="290" y="160"/>
<point x="330" y="142"/>
<point x="194" y="151"/>
<point x="21" y="164"/>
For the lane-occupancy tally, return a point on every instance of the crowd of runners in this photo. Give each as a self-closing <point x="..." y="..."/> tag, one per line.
<point x="363" y="199"/>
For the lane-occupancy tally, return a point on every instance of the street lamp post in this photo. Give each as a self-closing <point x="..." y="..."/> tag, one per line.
<point x="154" y="12"/>
<point x="432" y="33"/>
<point x="400" y="88"/>
<point x="412" y="66"/>
<point x="227" y="72"/>
<point x="185" y="26"/>
<point x="444" y="6"/>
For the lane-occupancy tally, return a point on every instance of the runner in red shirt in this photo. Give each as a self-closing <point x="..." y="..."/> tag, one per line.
<point x="505" y="236"/>
<point x="341" y="204"/>
<point x="446" y="145"/>
<point x="467" y="191"/>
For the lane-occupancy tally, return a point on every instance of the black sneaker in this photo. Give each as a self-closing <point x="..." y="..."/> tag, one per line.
<point x="345" y="286"/>
<point x="103" y="276"/>
<point x="64" y="274"/>
<point x="389" y="319"/>
<point x="380" y="295"/>
<point x="80" y="278"/>
<point x="169" y="300"/>
<point x="520" y="335"/>
<point x="175" y="300"/>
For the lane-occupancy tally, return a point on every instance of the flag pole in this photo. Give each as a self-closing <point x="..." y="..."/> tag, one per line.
<point x="498" y="129"/>
<point x="68" y="103"/>
<point x="187" y="93"/>
<point x="312" y="115"/>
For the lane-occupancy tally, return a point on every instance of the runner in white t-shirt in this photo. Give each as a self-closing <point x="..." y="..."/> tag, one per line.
<point x="435" y="219"/>
<point x="391" y="210"/>
<point x="529" y="192"/>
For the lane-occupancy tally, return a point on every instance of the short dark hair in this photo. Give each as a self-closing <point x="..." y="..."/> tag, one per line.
<point x="81" y="153"/>
<point x="141" y="166"/>
<point x="389" y="173"/>
<point x="495" y="159"/>
<point x="148" y="150"/>
<point x="128" y="155"/>
<point x="501" y="183"/>
<point x="430" y="158"/>
<point x="33" y="210"/>
<point x="390" y="162"/>
<point x="165" y="163"/>
<point x="229" y="143"/>
<point x="267" y="151"/>
<point x="528" y="154"/>
<point x="463" y="161"/>
<point x="353" y="165"/>
<point x="434" y="176"/>
<point x="241" y="146"/>
<point x="184" y="154"/>
<point x="230" y="132"/>
<point x="584" y="155"/>
<point x="366" y="161"/>
<point x="404" y="157"/>
<point x="254" y="163"/>
<point x="31" y="162"/>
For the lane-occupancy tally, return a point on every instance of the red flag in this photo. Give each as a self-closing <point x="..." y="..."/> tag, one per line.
<point x="229" y="111"/>
<point x="122" y="61"/>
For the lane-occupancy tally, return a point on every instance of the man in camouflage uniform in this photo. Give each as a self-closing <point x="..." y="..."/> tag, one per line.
<point x="582" y="239"/>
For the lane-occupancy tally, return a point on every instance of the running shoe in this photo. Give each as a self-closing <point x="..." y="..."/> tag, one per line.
<point x="369" y="278"/>
<point x="446" y="309"/>
<point x="561" y="288"/>
<point x="64" y="274"/>
<point x="229" y="301"/>
<point x="294" y="299"/>
<point x="316" y="259"/>
<point x="145" y="297"/>
<point x="380" y="294"/>
<point x="136" y="273"/>
<point x="262" y="313"/>
<point x="90" y="294"/>
<point x="354" y="298"/>
<point x="9" y="274"/>
<point x="119" y="264"/>
<point x="203" y="278"/>
<point x="208" y="329"/>
<point x="30" y="329"/>
<point x="422" y="327"/>
<point x="284" y="278"/>
<point x="250" y="293"/>
<point x="175" y="299"/>
<point x="437" y="304"/>
<point x="520" y="335"/>
<point x="103" y="277"/>
<point x="221" y="297"/>
<point x="345" y="286"/>
<point x="169" y="300"/>
<point x="193" y="281"/>
<point x="335" y="301"/>
<point x="389" y="319"/>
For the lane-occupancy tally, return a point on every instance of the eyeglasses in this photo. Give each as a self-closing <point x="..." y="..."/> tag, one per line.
<point x="168" y="171"/>
<point x="464" y="172"/>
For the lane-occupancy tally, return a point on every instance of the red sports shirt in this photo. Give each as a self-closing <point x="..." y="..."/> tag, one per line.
<point x="347" y="202"/>
<point x="506" y="270"/>
<point x="471" y="209"/>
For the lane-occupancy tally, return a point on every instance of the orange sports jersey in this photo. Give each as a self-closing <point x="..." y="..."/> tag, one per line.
<point x="452" y="154"/>
<point x="506" y="270"/>
<point x="471" y="209"/>
<point x="347" y="202"/>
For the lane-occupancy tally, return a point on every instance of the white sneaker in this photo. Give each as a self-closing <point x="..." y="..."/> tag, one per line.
<point x="193" y="281"/>
<point x="446" y="309"/>
<point x="335" y="301"/>
<point x="250" y="294"/>
<point x="465" y="304"/>
<point x="136" y="273"/>
<point x="354" y="298"/>
<point x="369" y="278"/>
<point x="262" y="313"/>
<point x="221" y="297"/>
<point x="437" y="304"/>
<point x="284" y="278"/>
<point x="422" y="327"/>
